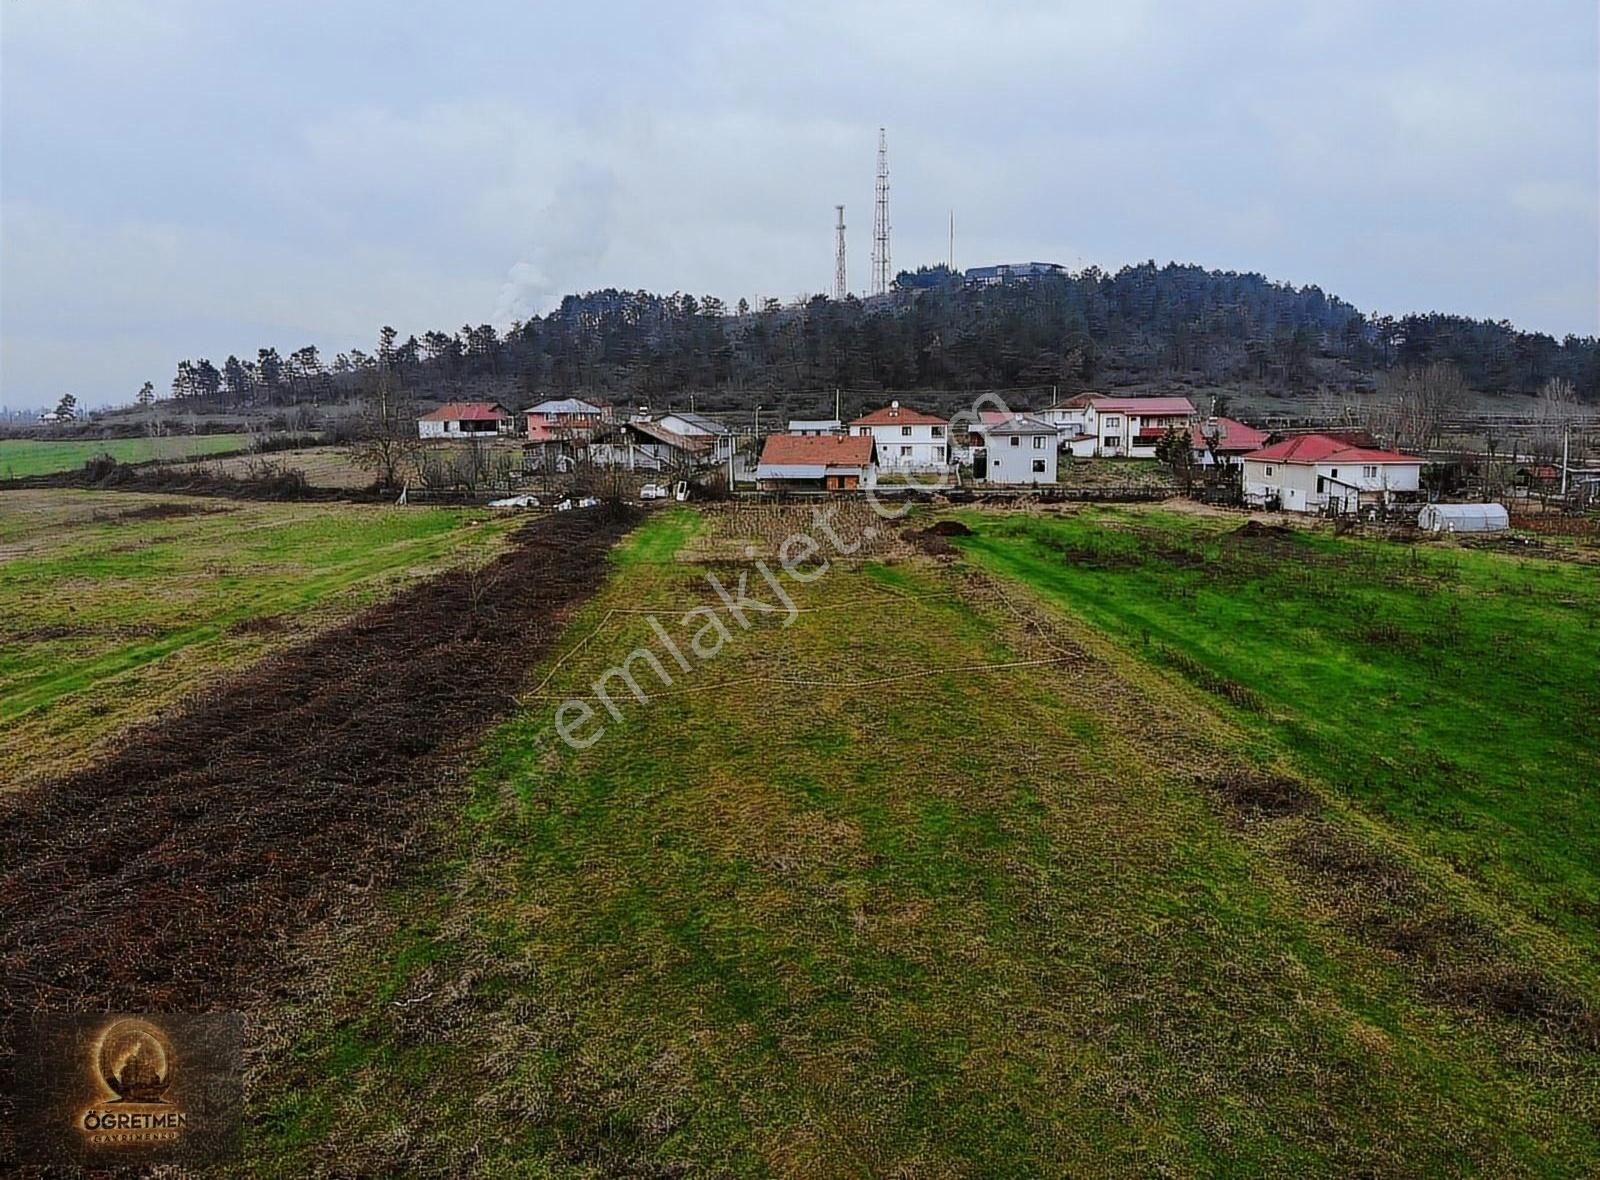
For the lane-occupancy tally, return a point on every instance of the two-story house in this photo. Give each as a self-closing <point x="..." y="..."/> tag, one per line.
<point x="907" y="439"/>
<point x="1093" y="425"/>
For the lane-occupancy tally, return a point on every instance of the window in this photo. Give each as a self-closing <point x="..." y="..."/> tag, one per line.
<point x="938" y="432"/>
<point x="1319" y="484"/>
<point x="1015" y="441"/>
<point x="905" y="432"/>
<point x="1111" y="440"/>
<point x="1112" y="421"/>
<point x="905" y="450"/>
<point x="938" y="454"/>
<point x="1269" y="469"/>
<point x="1335" y="473"/>
<point x="1370" y="472"/>
<point x="1038" y="466"/>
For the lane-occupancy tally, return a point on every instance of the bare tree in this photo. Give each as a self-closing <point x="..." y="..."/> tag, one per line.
<point x="1412" y="406"/>
<point x="386" y="439"/>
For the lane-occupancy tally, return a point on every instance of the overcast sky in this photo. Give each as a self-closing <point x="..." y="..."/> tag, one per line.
<point x="184" y="178"/>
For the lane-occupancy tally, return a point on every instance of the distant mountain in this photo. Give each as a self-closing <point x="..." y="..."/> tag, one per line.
<point x="1170" y="326"/>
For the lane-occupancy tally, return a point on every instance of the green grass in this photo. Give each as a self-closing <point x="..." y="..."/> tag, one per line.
<point x="1451" y="692"/>
<point x="104" y="618"/>
<point x="972" y="923"/>
<point x="24" y="457"/>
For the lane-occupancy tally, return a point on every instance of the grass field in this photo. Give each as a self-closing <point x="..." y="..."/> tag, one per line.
<point x="20" y="457"/>
<point x="324" y="467"/>
<point x="942" y="880"/>
<point x="1454" y="694"/>
<point x="112" y="605"/>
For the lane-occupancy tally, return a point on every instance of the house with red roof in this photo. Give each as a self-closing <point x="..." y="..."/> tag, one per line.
<point x="907" y="439"/>
<point x="1223" y="441"/>
<point x="818" y="463"/>
<point x="1321" y="473"/>
<point x="466" y="420"/>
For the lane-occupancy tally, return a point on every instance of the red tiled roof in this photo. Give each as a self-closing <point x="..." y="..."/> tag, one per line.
<point x="466" y="412"/>
<point x="1143" y="405"/>
<point x="833" y="450"/>
<point x="899" y="416"/>
<point x="1319" y="448"/>
<point x="1235" y="436"/>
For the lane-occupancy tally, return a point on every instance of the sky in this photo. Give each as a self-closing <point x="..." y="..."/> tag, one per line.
<point x="187" y="178"/>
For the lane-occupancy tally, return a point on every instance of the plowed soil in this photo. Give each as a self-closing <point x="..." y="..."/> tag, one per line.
<point x="173" y="874"/>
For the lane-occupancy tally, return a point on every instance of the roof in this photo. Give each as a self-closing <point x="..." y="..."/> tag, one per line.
<point x="1020" y="424"/>
<point x="1142" y="405"/>
<point x="1232" y="435"/>
<point x="814" y="424"/>
<point x="467" y="412"/>
<point x="709" y="425"/>
<point x="827" y="450"/>
<point x="894" y="414"/>
<point x="659" y="433"/>
<point x="566" y="405"/>
<point x="1320" y="448"/>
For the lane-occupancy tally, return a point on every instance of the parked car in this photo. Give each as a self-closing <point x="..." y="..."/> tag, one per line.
<point x="516" y="502"/>
<point x="654" y="491"/>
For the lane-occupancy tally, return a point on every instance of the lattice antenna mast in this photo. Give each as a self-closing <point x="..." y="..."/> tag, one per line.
<point x="882" y="268"/>
<point x="840" y="287"/>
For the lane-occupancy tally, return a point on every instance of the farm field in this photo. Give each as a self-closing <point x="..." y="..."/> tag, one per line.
<point x="953" y="873"/>
<point x="115" y="605"/>
<point x="324" y="467"/>
<point x="1448" y="692"/>
<point x="20" y="457"/>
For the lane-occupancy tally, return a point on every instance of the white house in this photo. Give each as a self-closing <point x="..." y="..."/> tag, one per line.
<point x="1092" y="424"/>
<point x="907" y="439"/>
<point x="466" y="420"/>
<point x="1020" y="450"/>
<point x="1317" y="472"/>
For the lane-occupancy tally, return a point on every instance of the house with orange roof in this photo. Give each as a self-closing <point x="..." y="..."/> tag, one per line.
<point x="907" y="439"/>
<point x="818" y="463"/>
<point x="1321" y="473"/>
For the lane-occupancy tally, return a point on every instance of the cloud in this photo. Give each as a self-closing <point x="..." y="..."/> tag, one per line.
<point x="190" y="178"/>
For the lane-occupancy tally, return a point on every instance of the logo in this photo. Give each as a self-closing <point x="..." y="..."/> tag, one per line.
<point x="127" y="1088"/>
<point x="134" y="1063"/>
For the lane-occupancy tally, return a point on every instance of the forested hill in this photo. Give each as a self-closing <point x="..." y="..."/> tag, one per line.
<point x="1145" y="326"/>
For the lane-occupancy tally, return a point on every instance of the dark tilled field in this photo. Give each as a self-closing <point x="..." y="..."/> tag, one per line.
<point x="174" y="874"/>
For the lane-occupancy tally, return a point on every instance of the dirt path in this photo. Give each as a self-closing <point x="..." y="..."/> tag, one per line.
<point x="173" y="874"/>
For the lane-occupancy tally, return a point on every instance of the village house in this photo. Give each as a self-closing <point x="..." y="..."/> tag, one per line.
<point x="720" y="439"/>
<point x="1317" y="472"/>
<point x="1018" y="450"/>
<point x="466" y="420"/>
<point x="818" y="463"/>
<point x="571" y="417"/>
<point x="644" y="445"/>
<point x="1092" y="425"/>
<point x="907" y="439"/>
<point x="1223" y="441"/>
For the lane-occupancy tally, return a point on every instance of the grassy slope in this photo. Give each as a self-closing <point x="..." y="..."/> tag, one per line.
<point x="1452" y="692"/>
<point x="104" y="619"/>
<point x="23" y="457"/>
<point x="971" y="923"/>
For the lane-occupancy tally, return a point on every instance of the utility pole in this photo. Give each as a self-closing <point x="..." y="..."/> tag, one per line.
<point x="1566" y="443"/>
<point x="882" y="268"/>
<point x="840" y="287"/>
<point x="837" y="417"/>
